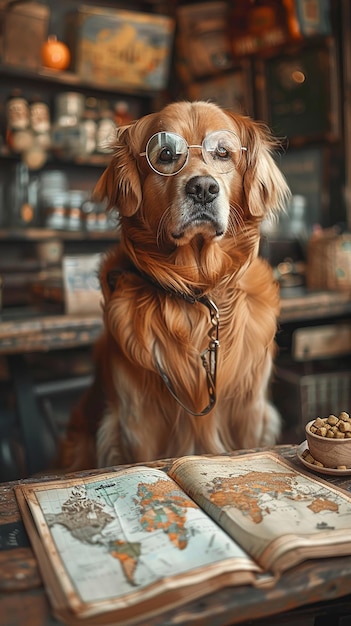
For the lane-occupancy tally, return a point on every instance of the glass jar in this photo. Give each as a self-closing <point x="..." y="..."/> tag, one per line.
<point x="76" y="198"/>
<point x="69" y="108"/>
<point x="55" y="210"/>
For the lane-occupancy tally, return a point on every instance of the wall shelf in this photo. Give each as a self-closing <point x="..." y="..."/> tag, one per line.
<point x="68" y="79"/>
<point x="45" y="234"/>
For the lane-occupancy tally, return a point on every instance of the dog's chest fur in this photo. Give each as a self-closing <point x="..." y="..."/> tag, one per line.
<point x="142" y="321"/>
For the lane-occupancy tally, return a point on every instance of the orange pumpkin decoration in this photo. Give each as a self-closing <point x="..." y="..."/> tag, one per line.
<point x="55" y="54"/>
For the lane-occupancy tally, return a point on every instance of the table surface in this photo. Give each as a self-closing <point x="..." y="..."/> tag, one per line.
<point x="312" y="585"/>
<point x="38" y="332"/>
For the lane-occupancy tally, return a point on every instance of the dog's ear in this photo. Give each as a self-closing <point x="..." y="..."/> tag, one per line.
<point x="120" y="182"/>
<point x="265" y="188"/>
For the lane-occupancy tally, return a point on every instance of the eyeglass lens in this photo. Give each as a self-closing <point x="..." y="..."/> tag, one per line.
<point x="167" y="153"/>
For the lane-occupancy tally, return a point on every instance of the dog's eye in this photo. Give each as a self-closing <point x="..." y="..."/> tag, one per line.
<point x="221" y="152"/>
<point x="166" y="155"/>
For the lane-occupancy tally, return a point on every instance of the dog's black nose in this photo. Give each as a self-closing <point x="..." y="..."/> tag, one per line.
<point x="202" y="189"/>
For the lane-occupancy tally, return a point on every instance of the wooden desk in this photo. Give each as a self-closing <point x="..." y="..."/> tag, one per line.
<point x="48" y="332"/>
<point x="299" y="304"/>
<point x="56" y="332"/>
<point x="313" y="593"/>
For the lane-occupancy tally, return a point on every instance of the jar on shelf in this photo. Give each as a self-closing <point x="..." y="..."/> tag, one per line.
<point x="69" y="108"/>
<point x="66" y="131"/>
<point x="55" y="211"/>
<point x="53" y="188"/>
<point x="39" y="115"/>
<point x="40" y="122"/>
<point x="76" y="198"/>
<point x="66" y="141"/>
<point x="52" y="181"/>
<point x="89" y="215"/>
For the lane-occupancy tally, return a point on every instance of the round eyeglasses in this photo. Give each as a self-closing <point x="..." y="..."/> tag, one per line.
<point x="167" y="153"/>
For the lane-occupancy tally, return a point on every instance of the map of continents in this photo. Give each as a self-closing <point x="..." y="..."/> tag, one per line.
<point x="160" y="505"/>
<point x="254" y="493"/>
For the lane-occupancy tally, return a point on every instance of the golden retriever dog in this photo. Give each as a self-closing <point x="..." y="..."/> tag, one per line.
<point x="190" y="309"/>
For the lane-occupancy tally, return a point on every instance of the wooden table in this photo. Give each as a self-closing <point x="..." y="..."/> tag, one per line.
<point x="314" y="593"/>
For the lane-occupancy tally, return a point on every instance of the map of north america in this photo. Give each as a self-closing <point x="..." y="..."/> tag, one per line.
<point x="161" y="507"/>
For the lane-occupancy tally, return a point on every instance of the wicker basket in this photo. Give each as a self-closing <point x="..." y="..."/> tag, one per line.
<point x="329" y="261"/>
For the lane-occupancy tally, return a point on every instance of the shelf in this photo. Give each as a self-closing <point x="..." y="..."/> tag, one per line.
<point x="301" y="305"/>
<point x="42" y="333"/>
<point x="44" y="234"/>
<point x="95" y="160"/>
<point x="69" y="79"/>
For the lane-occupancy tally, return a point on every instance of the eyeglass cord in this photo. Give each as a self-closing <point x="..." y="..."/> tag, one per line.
<point x="208" y="358"/>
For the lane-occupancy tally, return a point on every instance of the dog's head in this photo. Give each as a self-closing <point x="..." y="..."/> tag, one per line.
<point x="193" y="169"/>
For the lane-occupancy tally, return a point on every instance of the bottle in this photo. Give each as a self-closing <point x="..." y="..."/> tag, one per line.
<point x="39" y="114"/>
<point x="23" y="212"/>
<point x="88" y="127"/>
<point x="36" y="154"/>
<point x="66" y="131"/>
<point x="17" y="111"/>
<point x="18" y="132"/>
<point x="122" y="113"/>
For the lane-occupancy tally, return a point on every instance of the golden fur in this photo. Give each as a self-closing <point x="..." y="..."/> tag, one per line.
<point x="164" y="257"/>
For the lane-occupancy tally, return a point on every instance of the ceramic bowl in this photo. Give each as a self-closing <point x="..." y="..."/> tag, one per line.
<point x="333" y="453"/>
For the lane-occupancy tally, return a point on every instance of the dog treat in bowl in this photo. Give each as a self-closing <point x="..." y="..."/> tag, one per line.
<point x="329" y="441"/>
<point x="332" y="426"/>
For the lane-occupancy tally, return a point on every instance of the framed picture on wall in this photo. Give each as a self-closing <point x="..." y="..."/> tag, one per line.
<point x="231" y="90"/>
<point x="298" y="92"/>
<point x="306" y="170"/>
<point x="203" y="46"/>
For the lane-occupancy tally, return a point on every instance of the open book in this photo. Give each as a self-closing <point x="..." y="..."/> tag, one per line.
<point x="134" y="542"/>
